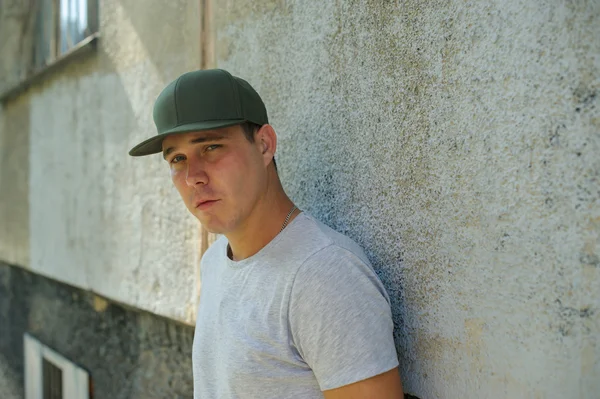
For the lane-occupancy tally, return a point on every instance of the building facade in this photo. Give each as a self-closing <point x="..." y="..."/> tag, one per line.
<point x="457" y="142"/>
<point x="99" y="261"/>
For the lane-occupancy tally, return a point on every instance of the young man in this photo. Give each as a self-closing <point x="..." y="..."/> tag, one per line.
<point x="289" y="308"/>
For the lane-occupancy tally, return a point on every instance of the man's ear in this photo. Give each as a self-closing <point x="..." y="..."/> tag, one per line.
<point x="267" y="140"/>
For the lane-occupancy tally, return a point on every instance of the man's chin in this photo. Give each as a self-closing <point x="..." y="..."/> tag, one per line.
<point x="212" y="229"/>
<point x="209" y="224"/>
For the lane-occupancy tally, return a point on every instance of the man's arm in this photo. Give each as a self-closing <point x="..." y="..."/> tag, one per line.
<point x="382" y="386"/>
<point x="341" y="326"/>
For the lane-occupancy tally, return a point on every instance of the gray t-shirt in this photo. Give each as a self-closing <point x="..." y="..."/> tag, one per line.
<point x="306" y="313"/>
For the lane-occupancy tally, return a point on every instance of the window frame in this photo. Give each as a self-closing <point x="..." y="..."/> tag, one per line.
<point x="75" y="380"/>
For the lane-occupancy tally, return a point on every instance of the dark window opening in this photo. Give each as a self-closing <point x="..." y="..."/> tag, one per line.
<point x="52" y="377"/>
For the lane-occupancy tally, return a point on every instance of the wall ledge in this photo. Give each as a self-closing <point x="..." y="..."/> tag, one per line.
<point x="85" y="46"/>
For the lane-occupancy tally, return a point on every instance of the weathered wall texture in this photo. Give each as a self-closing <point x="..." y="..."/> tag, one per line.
<point x="99" y="219"/>
<point x="458" y="143"/>
<point x="16" y="33"/>
<point x="14" y="182"/>
<point x="128" y="354"/>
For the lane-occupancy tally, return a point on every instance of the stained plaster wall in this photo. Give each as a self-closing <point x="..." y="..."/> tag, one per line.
<point x="458" y="143"/>
<point x="127" y="353"/>
<point x="16" y="31"/>
<point x="14" y="182"/>
<point x="97" y="218"/>
<point x="16" y="34"/>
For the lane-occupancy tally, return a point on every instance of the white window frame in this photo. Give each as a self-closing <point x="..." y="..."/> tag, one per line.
<point x="75" y="380"/>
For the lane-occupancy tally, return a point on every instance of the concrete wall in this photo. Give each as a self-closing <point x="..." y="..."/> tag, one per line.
<point x="14" y="182"/>
<point x="128" y="354"/>
<point x="16" y="33"/>
<point x="90" y="215"/>
<point x="17" y="24"/>
<point x="458" y="143"/>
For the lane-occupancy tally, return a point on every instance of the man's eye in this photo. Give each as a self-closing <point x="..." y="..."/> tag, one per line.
<point x="177" y="158"/>
<point x="212" y="147"/>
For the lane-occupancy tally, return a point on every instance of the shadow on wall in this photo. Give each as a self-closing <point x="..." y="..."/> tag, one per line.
<point x="146" y="226"/>
<point x="64" y="146"/>
<point x="170" y="50"/>
<point x="14" y="181"/>
<point x="80" y="119"/>
<point x="78" y="113"/>
<point x="16" y="27"/>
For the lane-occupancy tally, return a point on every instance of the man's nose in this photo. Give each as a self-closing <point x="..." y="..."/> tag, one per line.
<point x="196" y="173"/>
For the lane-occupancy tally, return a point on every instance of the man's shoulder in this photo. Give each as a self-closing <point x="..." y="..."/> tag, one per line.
<point x="328" y="242"/>
<point x="338" y="268"/>
<point x="305" y="238"/>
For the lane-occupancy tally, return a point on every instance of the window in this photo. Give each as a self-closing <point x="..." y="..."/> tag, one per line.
<point x="51" y="32"/>
<point x="60" y="26"/>
<point x="49" y="375"/>
<point x="52" y="380"/>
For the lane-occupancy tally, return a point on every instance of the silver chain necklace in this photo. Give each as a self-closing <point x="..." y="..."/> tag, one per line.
<point x="287" y="218"/>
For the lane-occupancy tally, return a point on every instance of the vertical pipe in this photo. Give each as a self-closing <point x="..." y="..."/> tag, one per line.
<point x="206" y="36"/>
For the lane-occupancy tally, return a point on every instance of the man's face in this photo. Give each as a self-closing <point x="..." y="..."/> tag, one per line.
<point x="219" y="174"/>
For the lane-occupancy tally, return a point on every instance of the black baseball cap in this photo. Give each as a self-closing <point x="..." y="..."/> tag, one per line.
<point x="202" y="100"/>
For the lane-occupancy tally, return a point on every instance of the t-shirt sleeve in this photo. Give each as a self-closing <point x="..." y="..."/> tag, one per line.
<point x="340" y="319"/>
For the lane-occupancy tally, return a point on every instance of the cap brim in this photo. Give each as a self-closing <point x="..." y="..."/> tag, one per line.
<point x="154" y="144"/>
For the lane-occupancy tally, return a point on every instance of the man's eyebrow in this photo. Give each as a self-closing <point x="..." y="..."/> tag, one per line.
<point x="201" y="139"/>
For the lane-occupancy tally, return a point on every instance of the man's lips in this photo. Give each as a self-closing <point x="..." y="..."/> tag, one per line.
<point x="205" y="204"/>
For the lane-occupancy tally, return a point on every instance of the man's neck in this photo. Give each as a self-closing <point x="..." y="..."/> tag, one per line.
<point x="262" y="226"/>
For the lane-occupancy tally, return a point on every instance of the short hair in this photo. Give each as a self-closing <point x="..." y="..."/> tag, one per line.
<point x="250" y="128"/>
